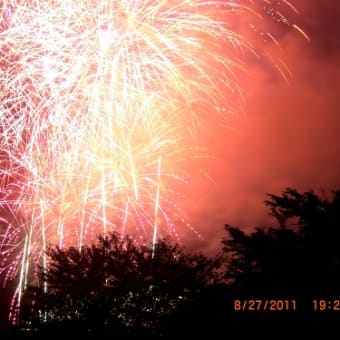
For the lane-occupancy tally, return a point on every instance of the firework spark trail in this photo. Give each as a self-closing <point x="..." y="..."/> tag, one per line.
<point x="98" y="103"/>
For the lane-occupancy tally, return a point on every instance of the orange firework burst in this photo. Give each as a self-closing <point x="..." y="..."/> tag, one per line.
<point x="98" y="103"/>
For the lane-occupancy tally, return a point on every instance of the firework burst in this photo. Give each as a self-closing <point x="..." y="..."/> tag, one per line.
<point x="99" y="103"/>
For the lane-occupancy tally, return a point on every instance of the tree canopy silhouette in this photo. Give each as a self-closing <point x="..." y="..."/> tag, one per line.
<point x="116" y="285"/>
<point x="299" y="259"/>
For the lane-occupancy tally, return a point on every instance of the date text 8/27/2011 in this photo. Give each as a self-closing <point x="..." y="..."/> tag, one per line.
<point x="264" y="305"/>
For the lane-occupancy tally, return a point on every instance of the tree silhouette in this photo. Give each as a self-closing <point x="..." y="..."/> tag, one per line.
<point x="117" y="286"/>
<point x="299" y="259"/>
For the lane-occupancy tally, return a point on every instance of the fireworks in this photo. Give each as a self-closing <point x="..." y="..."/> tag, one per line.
<point x="99" y="100"/>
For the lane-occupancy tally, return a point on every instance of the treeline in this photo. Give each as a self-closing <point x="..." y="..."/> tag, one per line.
<point x="287" y="274"/>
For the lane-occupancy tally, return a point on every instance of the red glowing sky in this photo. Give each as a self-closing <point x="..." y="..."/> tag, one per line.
<point x="288" y="137"/>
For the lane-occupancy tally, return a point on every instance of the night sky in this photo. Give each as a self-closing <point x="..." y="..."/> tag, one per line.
<point x="287" y="136"/>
